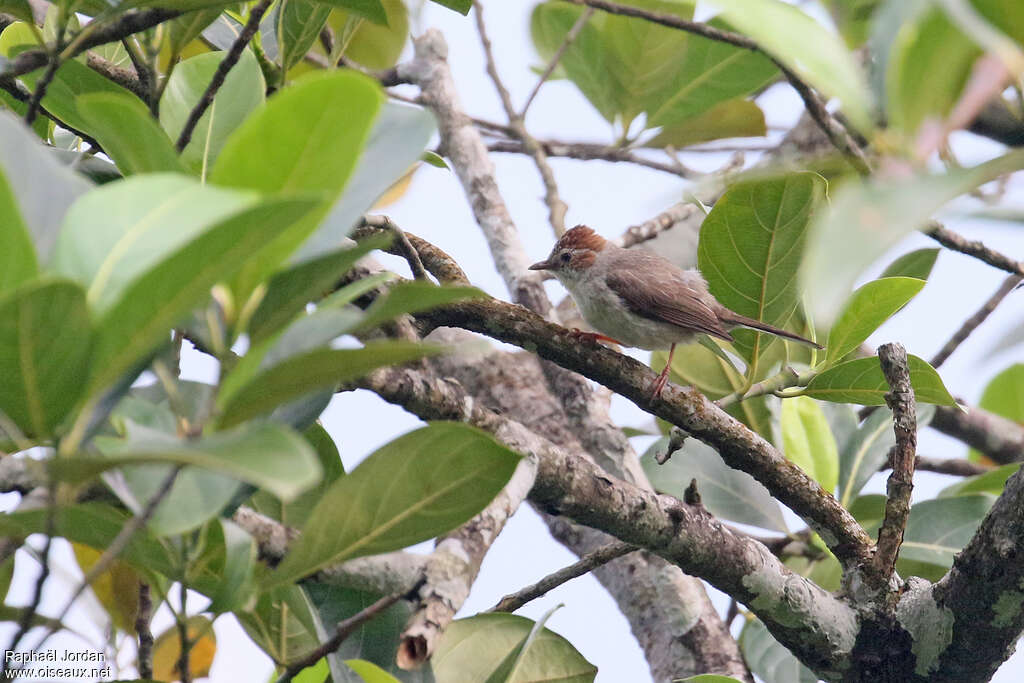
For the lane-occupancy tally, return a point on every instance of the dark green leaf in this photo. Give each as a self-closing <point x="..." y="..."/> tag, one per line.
<point x="19" y="9"/>
<point x="299" y="23"/>
<point x="736" y="118"/>
<point x="472" y="649"/>
<point x="768" y="660"/>
<point x="17" y="255"/>
<point x="990" y="482"/>
<point x="917" y="264"/>
<point x="865" y="310"/>
<point x="45" y="342"/>
<point x="460" y="6"/>
<point x="369" y="9"/>
<point x="413" y="297"/>
<point x="751" y="245"/>
<point x="283" y="623"/>
<point x="128" y="133"/>
<point x="938" y="529"/>
<point x="725" y="492"/>
<point x="304" y="373"/>
<point x="861" y="381"/>
<point x="241" y="94"/>
<point x="808" y="441"/>
<point x="184" y="29"/>
<point x="290" y="290"/>
<point x="233" y="564"/>
<point x="157" y="300"/>
<point x="414" y="488"/>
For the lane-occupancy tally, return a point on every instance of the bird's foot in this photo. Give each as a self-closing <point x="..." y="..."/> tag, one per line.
<point x="659" y="383"/>
<point x="592" y="337"/>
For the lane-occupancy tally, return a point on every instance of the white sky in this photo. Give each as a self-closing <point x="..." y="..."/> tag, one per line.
<point x="609" y="197"/>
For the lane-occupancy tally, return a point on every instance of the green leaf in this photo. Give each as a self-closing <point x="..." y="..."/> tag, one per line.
<point x="814" y="53"/>
<point x="1004" y="395"/>
<point x="184" y="29"/>
<point x="917" y="264"/>
<point x="272" y="457"/>
<point x="368" y="9"/>
<point x="808" y="441"/>
<point x="416" y="487"/>
<point x="240" y="95"/>
<point x="928" y="65"/>
<point x="861" y="381"/>
<point x="307" y="139"/>
<point x="938" y="529"/>
<point x="413" y="297"/>
<point x="299" y="23"/>
<point x="157" y="300"/>
<point x="992" y="482"/>
<point x="370" y="672"/>
<point x="284" y="623"/>
<point x="376" y="46"/>
<point x="121" y="230"/>
<point x="460" y="6"/>
<point x="736" y="118"/>
<point x="1008" y="17"/>
<point x="128" y="133"/>
<point x="45" y="343"/>
<point x="869" y="218"/>
<point x="44" y="187"/>
<point x="231" y="559"/>
<point x="472" y="649"/>
<point x="19" y="9"/>
<point x="321" y="368"/>
<point x="317" y="673"/>
<point x="17" y="255"/>
<point x="768" y="660"/>
<point x="750" y="247"/>
<point x="290" y="290"/>
<point x="725" y="492"/>
<point x="865" y="310"/>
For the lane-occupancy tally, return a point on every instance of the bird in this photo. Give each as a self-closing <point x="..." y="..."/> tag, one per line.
<point x="640" y="299"/>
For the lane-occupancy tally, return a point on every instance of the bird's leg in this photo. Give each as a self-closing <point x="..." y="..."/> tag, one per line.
<point x="662" y="380"/>
<point x="592" y="337"/>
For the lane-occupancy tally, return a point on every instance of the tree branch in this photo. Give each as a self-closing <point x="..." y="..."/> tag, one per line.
<point x="972" y="323"/>
<point x="585" y="151"/>
<point x="957" y="242"/>
<point x="893" y="358"/>
<point x="570" y="37"/>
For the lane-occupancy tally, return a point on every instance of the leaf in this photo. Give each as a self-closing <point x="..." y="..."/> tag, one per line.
<point x="322" y="368"/>
<point x="397" y="139"/>
<point x="861" y="381"/>
<point x="19" y="9"/>
<point x="240" y="95"/>
<point x="167" y="650"/>
<point x="815" y="54"/>
<point x="284" y="624"/>
<point x="869" y="218"/>
<point x="917" y="264"/>
<point x="185" y="28"/>
<point x="17" y="255"/>
<point x="1004" y="394"/>
<point x="472" y="649"/>
<point x="1007" y="17"/>
<point x="460" y="6"/>
<point x="117" y="232"/>
<point x="368" y="9"/>
<point x="290" y="290"/>
<point x="767" y="659"/>
<point x="736" y="118"/>
<point x="116" y="588"/>
<point x="725" y="492"/>
<point x="376" y="46"/>
<point x="413" y="297"/>
<point x="317" y="673"/>
<point x="928" y="65"/>
<point x="231" y="559"/>
<point x="808" y="441"/>
<point x="45" y="343"/>
<point x="306" y="140"/>
<point x="269" y="456"/>
<point x="44" y="187"/>
<point x="750" y="247"/>
<point x="161" y="297"/>
<point x="865" y="310"/>
<point x="370" y="672"/>
<point x="939" y="528"/>
<point x="992" y="482"/>
<point x="128" y="134"/>
<point x="299" y="23"/>
<point x="418" y="486"/>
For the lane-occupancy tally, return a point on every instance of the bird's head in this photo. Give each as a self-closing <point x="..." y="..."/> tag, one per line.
<point x="573" y="253"/>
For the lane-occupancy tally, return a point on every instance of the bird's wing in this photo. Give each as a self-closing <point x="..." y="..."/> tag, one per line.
<point x="673" y="302"/>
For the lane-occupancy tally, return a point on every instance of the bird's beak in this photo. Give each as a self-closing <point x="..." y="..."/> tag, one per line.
<point x="542" y="265"/>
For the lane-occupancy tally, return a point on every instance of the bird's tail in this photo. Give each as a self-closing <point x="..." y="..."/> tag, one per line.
<point x="733" y="318"/>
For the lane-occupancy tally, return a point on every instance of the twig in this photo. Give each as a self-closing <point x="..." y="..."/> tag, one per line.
<point x="957" y="467"/>
<point x="585" y="151"/>
<point x="1000" y="439"/>
<point x="42" y="84"/>
<point x="556" y="207"/>
<point x="784" y="380"/>
<point x="836" y="132"/>
<point x="185" y="643"/>
<point x="893" y="358"/>
<point x="972" y="323"/>
<point x="434" y="260"/>
<point x="145" y="651"/>
<point x="570" y="37"/>
<point x="226" y="64"/>
<point x="587" y="563"/>
<point x="666" y="220"/>
<point x="345" y="629"/>
<point x="957" y="242"/>
<point x="676" y="440"/>
<point x="404" y="246"/>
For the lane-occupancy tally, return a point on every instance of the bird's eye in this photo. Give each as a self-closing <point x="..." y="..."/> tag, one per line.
<point x="565" y="257"/>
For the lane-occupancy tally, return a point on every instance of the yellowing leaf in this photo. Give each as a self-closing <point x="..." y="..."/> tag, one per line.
<point x="117" y="588"/>
<point x="167" y="650"/>
<point x="396" y="191"/>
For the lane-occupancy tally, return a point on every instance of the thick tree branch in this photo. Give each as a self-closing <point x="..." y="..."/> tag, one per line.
<point x="998" y="438"/>
<point x="893" y="358"/>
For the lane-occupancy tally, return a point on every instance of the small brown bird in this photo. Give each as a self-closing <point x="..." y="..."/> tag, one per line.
<point x="641" y="299"/>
